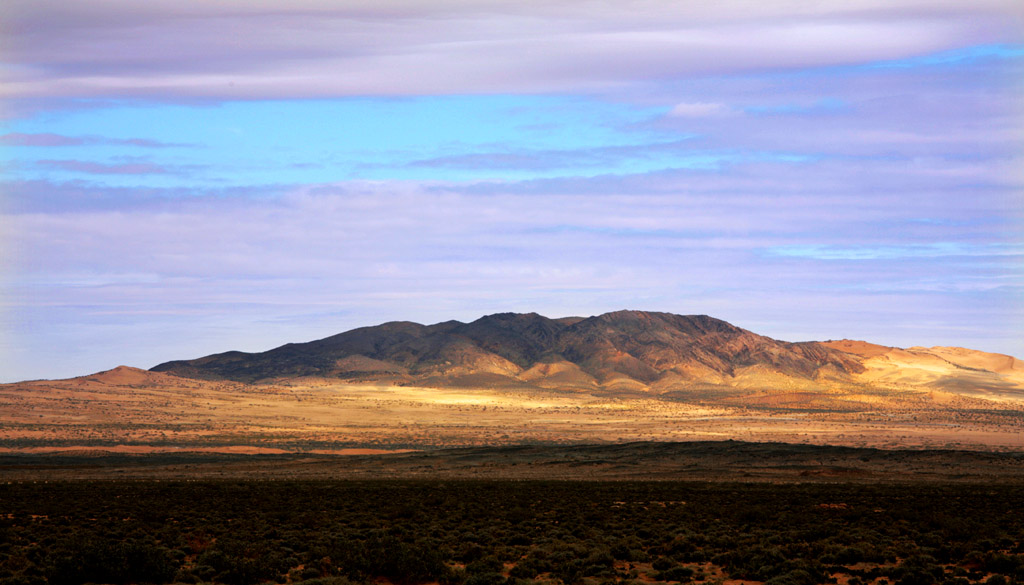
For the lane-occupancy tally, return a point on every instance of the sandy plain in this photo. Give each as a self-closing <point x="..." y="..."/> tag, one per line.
<point x="134" y="411"/>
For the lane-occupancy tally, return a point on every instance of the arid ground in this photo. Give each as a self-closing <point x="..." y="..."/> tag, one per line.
<point x="133" y="411"/>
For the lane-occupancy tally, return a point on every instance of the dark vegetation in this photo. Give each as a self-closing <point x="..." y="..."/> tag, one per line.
<point x="509" y="533"/>
<point x="717" y="461"/>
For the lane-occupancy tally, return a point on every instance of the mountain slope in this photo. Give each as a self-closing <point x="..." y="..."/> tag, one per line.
<point x="950" y="369"/>
<point x="625" y="349"/>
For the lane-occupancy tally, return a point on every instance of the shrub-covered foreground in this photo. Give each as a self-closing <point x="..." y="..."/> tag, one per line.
<point x="514" y="533"/>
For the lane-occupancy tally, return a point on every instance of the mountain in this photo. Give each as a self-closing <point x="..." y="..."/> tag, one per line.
<point x="626" y="350"/>
<point x="524" y="378"/>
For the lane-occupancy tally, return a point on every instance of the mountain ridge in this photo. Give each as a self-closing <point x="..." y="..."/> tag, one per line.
<point x="524" y="378"/>
<point x="628" y="349"/>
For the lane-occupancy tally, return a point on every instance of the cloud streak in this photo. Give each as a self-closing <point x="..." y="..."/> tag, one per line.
<point x="700" y="110"/>
<point x="310" y="261"/>
<point x="326" y="49"/>
<point x="932" y="250"/>
<point x="94" y="168"/>
<point x="48" y="139"/>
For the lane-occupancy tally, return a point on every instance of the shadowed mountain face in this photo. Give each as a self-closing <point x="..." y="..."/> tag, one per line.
<point x="622" y="350"/>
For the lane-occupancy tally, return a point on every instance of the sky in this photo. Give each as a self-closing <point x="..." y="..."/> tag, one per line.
<point x="189" y="177"/>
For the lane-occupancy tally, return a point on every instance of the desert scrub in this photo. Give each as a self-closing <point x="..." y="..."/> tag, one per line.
<point x="507" y="533"/>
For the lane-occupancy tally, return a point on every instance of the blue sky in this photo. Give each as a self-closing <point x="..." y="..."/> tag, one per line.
<point x="452" y="138"/>
<point x="804" y="171"/>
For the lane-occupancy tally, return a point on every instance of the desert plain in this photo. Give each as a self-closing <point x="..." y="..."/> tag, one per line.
<point x="133" y="411"/>
<point x="629" y="448"/>
<point x="403" y="398"/>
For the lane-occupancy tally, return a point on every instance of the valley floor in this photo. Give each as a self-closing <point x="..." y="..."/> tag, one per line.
<point x="132" y="411"/>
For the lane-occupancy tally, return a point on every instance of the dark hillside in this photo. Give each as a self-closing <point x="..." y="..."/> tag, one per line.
<point x="640" y="347"/>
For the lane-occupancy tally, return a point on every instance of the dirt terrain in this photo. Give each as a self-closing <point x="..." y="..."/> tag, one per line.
<point x="513" y="379"/>
<point x="126" y="409"/>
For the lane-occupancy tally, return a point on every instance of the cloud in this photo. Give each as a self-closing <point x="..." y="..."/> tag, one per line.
<point x="41" y="139"/>
<point x="966" y="115"/>
<point x="501" y="161"/>
<point x="730" y="158"/>
<point x="79" y="196"/>
<point x="50" y="139"/>
<point x="898" y="252"/>
<point x="94" y="168"/>
<point x="167" y="50"/>
<point x="700" y="110"/>
<point x="955" y="57"/>
<point x="680" y="153"/>
<point x="826" y="105"/>
<point x="222" y="270"/>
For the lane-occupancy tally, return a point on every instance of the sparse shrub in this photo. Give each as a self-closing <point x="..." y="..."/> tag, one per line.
<point x="796" y="577"/>
<point x="663" y="564"/>
<point x="681" y="574"/>
<point x="488" y="564"/>
<point x="232" y="533"/>
<point x="485" y="579"/>
<point x="84" y="560"/>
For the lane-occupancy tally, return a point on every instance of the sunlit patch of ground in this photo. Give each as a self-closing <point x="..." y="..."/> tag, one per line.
<point x="131" y="409"/>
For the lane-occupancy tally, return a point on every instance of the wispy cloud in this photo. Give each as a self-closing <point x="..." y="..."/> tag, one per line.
<point x="46" y="139"/>
<point x="701" y="110"/>
<point x="41" y="139"/>
<point x="805" y="170"/>
<point x="826" y="105"/>
<point x="382" y="250"/>
<point x="94" y="168"/>
<point x="401" y="48"/>
<point x="898" y="252"/>
<point x="616" y="158"/>
<point x="958" y="56"/>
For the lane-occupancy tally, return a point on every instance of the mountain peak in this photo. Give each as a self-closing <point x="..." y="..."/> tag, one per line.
<point x="509" y="318"/>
